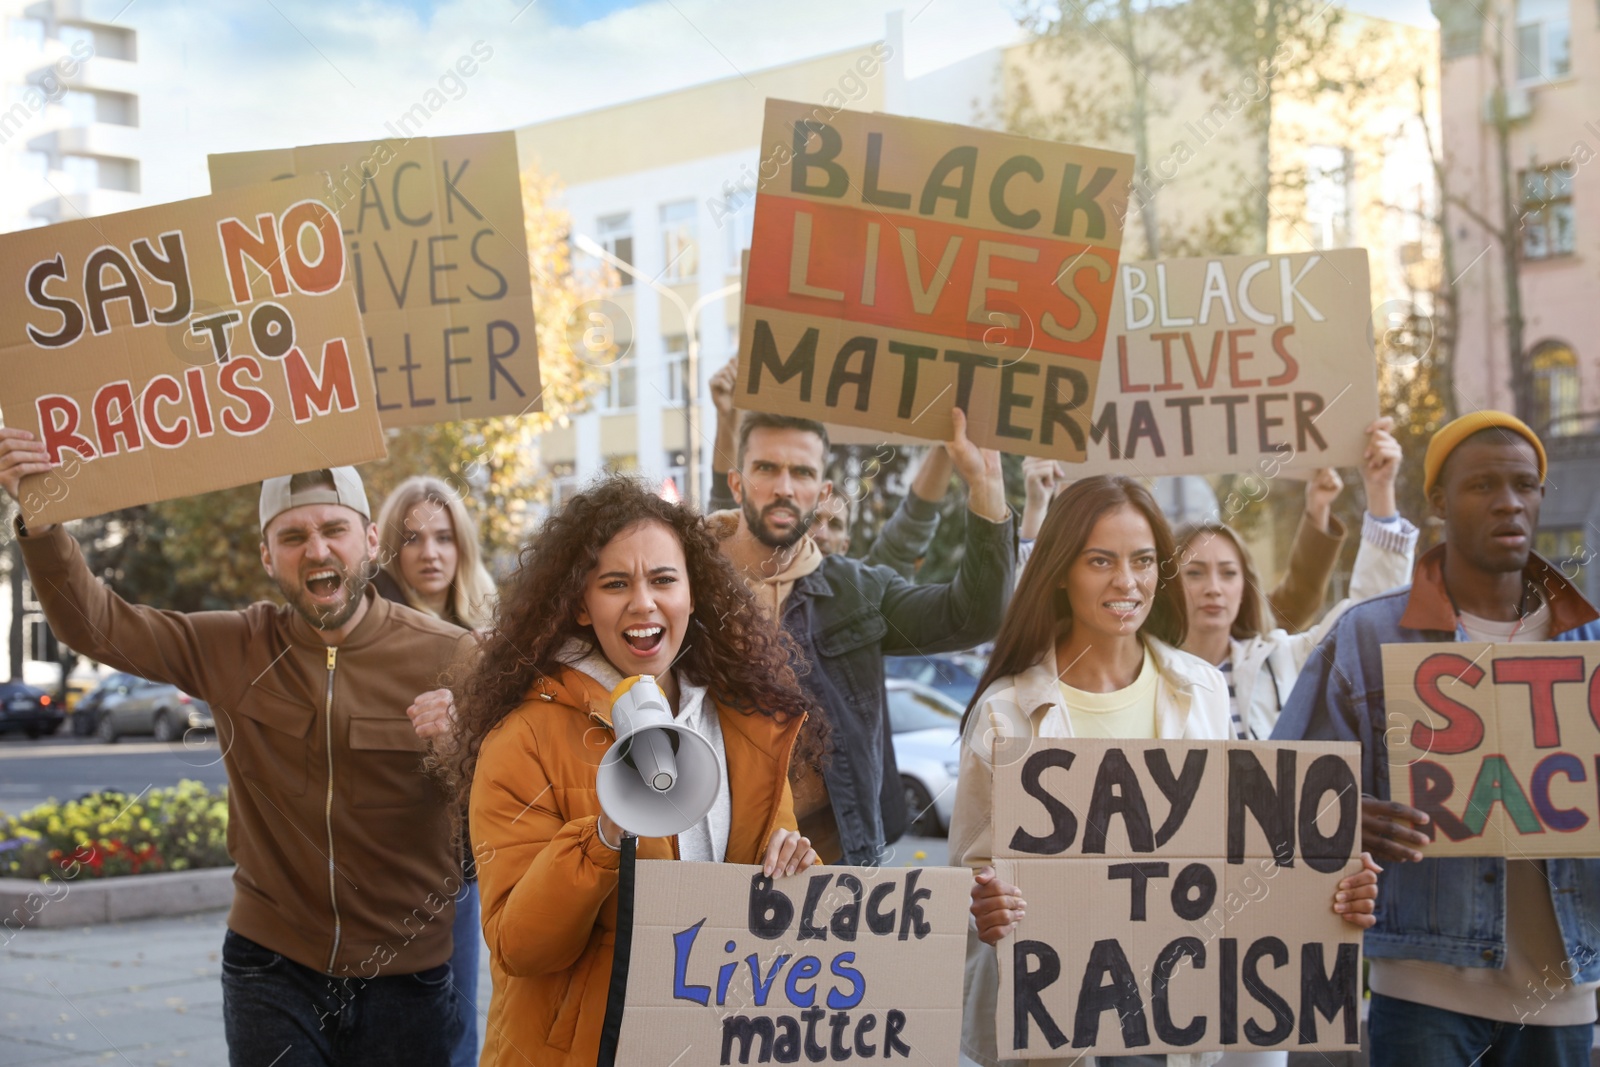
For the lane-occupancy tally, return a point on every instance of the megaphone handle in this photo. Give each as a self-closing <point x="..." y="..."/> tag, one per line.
<point x="622" y="951"/>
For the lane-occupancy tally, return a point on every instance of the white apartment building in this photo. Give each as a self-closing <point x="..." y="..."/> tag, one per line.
<point x="69" y="116"/>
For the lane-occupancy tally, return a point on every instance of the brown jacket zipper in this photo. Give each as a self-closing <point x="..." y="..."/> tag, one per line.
<point x="327" y="716"/>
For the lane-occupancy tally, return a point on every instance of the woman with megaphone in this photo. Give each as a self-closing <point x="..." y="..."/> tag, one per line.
<point x="627" y="667"/>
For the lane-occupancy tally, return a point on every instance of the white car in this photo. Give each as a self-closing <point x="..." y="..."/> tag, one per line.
<point x="927" y="747"/>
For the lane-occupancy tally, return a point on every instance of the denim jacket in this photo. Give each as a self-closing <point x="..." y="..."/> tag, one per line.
<point x="1448" y="911"/>
<point x="846" y="616"/>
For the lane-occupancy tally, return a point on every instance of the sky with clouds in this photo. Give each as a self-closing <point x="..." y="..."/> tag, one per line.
<point x="232" y="77"/>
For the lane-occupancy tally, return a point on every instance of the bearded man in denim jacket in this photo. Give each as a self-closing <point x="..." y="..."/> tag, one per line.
<point x="1474" y="961"/>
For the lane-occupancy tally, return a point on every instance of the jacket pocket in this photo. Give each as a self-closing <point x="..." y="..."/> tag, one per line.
<point x="273" y="747"/>
<point x="569" y="1010"/>
<point x="389" y="763"/>
<point x="851" y="650"/>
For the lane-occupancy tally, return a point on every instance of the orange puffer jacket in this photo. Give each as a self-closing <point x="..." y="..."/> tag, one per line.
<point x="547" y="882"/>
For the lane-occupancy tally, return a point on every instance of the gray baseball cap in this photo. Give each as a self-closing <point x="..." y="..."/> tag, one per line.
<point x="331" y="485"/>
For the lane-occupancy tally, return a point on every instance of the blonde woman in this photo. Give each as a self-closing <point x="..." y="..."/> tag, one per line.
<point x="430" y="559"/>
<point x="428" y="547"/>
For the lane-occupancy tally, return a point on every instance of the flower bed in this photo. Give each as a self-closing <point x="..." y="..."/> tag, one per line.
<point x="111" y="834"/>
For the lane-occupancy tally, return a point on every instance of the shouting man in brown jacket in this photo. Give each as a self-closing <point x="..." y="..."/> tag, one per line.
<point x="338" y="941"/>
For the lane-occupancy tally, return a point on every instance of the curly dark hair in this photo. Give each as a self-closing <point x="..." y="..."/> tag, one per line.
<point x="732" y="647"/>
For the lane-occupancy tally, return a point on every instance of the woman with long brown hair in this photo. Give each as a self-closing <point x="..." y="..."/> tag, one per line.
<point x="618" y="583"/>
<point x="1089" y="648"/>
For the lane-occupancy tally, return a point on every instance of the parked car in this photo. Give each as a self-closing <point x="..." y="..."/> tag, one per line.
<point x="28" y="709"/>
<point x="955" y="676"/>
<point x="86" y="716"/>
<point x="926" y="726"/>
<point x="127" y="704"/>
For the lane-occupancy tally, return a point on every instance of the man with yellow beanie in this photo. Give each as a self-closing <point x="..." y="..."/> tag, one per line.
<point x="1481" y="960"/>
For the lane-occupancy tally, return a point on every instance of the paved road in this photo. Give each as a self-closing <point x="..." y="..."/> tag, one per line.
<point x="63" y="768"/>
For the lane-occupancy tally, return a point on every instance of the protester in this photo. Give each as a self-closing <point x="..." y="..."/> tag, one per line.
<point x="1228" y="625"/>
<point x="1089" y="648"/>
<point x="904" y="538"/>
<point x="1297" y="600"/>
<point x="338" y="940"/>
<point x="846" y="615"/>
<point x="429" y="552"/>
<point x="616" y="584"/>
<point x="1473" y="960"/>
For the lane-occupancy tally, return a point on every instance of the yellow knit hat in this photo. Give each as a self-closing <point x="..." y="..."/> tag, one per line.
<point x="1451" y="434"/>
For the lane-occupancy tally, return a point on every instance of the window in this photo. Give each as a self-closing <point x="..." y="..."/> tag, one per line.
<point x="119" y="174"/>
<point x="563" y="483"/>
<point x="738" y="221"/>
<point x="680" y="247"/>
<point x="28" y="31"/>
<point x="1328" y="199"/>
<point x="1547" y="218"/>
<point x="616" y="237"/>
<point x="621" y="463"/>
<point x="80" y="105"/>
<point x="1543" y="41"/>
<point x="1555" y="390"/>
<point x="76" y="35"/>
<point x="621" y="391"/>
<point x="116" y="109"/>
<point x="677" y="366"/>
<point x="36" y="164"/>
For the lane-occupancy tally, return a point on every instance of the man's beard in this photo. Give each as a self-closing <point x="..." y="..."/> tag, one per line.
<point x="757" y="521"/>
<point x="352" y="583"/>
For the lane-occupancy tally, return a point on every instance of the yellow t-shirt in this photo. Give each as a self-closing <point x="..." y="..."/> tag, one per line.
<point x="1127" y="714"/>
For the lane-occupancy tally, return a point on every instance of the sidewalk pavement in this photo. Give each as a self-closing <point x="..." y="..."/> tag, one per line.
<point x="145" y="993"/>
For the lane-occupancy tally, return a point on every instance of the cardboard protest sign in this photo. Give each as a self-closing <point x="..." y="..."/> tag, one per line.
<point x="179" y="349"/>
<point x="1235" y="364"/>
<point x="839" y="964"/>
<point x="439" y="257"/>
<point x="900" y="267"/>
<point x="1497" y="744"/>
<point x="1179" y="896"/>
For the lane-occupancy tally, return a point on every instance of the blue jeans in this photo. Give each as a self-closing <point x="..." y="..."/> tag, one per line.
<point x="1406" y="1034"/>
<point x="278" y="1012"/>
<point x="464" y="976"/>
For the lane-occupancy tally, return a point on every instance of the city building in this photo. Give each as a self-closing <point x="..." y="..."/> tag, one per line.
<point x="69" y="117"/>
<point x="1542" y="59"/>
<point x="666" y="185"/>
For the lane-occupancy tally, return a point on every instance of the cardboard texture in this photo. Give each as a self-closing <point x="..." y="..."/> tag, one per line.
<point x="183" y="348"/>
<point x="1206" y="870"/>
<point x="900" y="267"/>
<point x="859" y="962"/>
<point x="1236" y="364"/>
<point x="439" y="256"/>
<point x="1498" y="744"/>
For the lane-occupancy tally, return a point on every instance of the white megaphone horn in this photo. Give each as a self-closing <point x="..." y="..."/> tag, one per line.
<point x="659" y="778"/>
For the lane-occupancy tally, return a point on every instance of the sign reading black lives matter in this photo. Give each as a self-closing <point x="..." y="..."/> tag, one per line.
<point x="901" y="267"/>
<point x="835" y="965"/>
<point x="1180" y="896"/>
<point x="439" y="257"/>
<point x="178" y="349"/>
<point x="1235" y="364"/>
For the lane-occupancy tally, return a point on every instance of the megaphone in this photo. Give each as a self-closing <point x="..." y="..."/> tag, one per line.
<point x="659" y="778"/>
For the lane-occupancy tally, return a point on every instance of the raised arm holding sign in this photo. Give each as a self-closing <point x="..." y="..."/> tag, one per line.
<point x="178" y="349"/>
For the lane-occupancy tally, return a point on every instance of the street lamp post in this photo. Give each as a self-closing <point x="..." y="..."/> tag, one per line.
<point x="691" y="328"/>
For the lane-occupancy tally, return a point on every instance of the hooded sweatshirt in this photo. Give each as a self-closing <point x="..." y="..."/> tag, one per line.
<point x="773" y="590"/>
